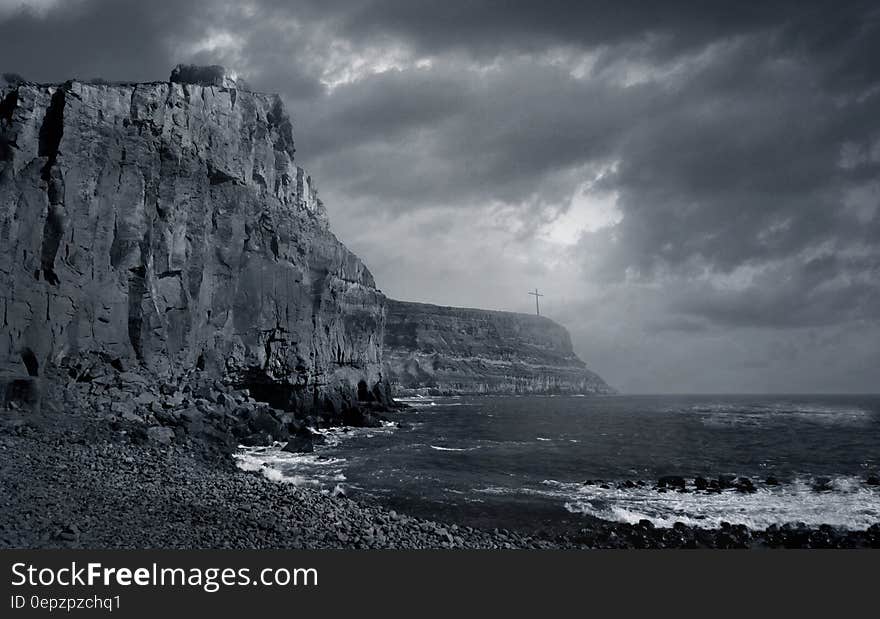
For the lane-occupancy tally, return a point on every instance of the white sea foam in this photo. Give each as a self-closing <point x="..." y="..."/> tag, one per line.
<point x="417" y="401"/>
<point x="336" y="435"/>
<point x="297" y="469"/>
<point x="440" y="448"/>
<point x="498" y="490"/>
<point x="850" y="504"/>
<point x="250" y="462"/>
<point x="314" y="468"/>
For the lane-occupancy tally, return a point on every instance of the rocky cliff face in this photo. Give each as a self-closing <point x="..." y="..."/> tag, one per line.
<point x="165" y="226"/>
<point x="452" y="350"/>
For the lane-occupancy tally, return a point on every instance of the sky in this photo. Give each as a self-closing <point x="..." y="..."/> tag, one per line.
<point x="693" y="186"/>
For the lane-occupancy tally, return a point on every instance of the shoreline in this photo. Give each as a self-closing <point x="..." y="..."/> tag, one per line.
<point x="74" y="476"/>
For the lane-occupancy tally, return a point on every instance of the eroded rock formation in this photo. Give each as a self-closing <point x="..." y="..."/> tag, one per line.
<point x="166" y="226"/>
<point x="451" y="350"/>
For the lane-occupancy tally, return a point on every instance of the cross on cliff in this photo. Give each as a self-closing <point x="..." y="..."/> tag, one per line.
<point x="537" y="307"/>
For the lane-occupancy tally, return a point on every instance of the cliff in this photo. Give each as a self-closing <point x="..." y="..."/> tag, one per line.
<point x="452" y="350"/>
<point x="164" y="226"/>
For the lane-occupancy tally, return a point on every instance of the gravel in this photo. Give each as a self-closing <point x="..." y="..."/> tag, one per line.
<point x="80" y="471"/>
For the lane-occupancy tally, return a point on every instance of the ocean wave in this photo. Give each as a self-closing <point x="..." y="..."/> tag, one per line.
<point x="313" y="469"/>
<point x="756" y="414"/>
<point x="498" y="490"/>
<point x="246" y="462"/>
<point x="848" y="504"/>
<point x="417" y="402"/>
<point x="440" y="448"/>
<point x="336" y="435"/>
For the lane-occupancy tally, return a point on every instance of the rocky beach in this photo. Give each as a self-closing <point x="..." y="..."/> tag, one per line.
<point x="121" y="462"/>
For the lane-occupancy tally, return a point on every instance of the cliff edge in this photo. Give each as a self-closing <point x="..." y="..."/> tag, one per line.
<point x="451" y="350"/>
<point x="165" y="226"/>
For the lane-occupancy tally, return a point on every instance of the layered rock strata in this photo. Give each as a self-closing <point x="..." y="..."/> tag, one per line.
<point x="452" y="350"/>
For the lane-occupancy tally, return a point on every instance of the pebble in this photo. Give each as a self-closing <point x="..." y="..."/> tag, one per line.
<point x="86" y="480"/>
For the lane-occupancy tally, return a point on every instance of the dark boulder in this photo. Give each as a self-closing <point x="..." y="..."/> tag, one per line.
<point x="744" y="484"/>
<point x="725" y="481"/>
<point x="301" y="442"/>
<point x="262" y="420"/>
<point x="822" y="484"/>
<point x="671" y="481"/>
<point x="358" y="417"/>
<point x="363" y="393"/>
<point x="22" y="393"/>
<point x="256" y="439"/>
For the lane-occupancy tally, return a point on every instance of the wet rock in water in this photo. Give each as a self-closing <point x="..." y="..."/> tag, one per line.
<point x="744" y="484"/>
<point x="701" y="483"/>
<point x="671" y="481"/>
<point x="301" y="442"/>
<point x="725" y="481"/>
<point x="338" y="492"/>
<point x="873" y="480"/>
<point x="771" y="481"/>
<point x="357" y="417"/>
<point x="822" y="484"/>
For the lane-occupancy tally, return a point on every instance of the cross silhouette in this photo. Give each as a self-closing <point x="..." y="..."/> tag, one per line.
<point x="536" y="295"/>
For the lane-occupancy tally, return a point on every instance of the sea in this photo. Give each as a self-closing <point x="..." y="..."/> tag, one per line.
<point x="553" y="464"/>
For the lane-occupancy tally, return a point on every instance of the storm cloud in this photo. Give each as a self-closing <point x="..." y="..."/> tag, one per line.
<point x="693" y="185"/>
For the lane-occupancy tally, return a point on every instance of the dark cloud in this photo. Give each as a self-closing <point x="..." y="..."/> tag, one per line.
<point x="737" y="144"/>
<point x="493" y="26"/>
<point x="116" y="40"/>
